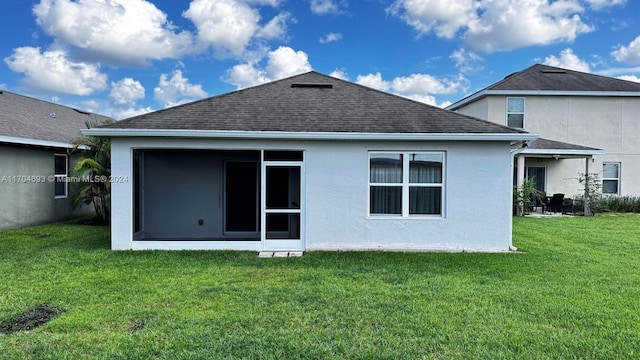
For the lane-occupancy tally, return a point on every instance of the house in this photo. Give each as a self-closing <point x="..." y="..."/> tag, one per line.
<point x="35" y="139"/>
<point x="567" y="107"/>
<point x="310" y="162"/>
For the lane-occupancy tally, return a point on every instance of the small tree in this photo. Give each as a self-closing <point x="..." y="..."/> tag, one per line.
<point x="93" y="168"/>
<point x="525" y="196"/>
<point x="591" y="191"/>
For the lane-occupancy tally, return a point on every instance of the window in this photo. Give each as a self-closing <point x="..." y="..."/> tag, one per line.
<point x="515" y="112"/>
<point x="405" y="183"/>
<point x="611" y="178"/>
<point x="60" y="175"/>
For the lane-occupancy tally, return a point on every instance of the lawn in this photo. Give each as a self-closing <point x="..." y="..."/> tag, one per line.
<point x="573" y="292"/>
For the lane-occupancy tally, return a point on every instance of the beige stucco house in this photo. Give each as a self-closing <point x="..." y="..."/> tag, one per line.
<point x="567" y="107"/>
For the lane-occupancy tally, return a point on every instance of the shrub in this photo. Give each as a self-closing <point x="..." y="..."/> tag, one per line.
<point x="621" y="204"/>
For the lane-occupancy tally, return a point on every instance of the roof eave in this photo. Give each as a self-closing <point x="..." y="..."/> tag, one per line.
<point x="483" y="93"/>
<point x="564" y="152"/>
<point x="283" y="135"/>
<point x="38" y="142"/>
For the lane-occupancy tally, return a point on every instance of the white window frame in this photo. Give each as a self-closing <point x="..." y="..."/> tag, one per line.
<point x="406" y="184"/>
<point x="524" y="107"/>
<point x="63" y="177"/>
<point x="618" y="179"/>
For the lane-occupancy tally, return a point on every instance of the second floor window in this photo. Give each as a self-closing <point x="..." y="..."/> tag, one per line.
<point x="515" y="112"/>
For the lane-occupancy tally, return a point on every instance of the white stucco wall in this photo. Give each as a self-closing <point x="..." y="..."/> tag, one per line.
<point x="608" y="123"/>
<point x="477" y="201"/>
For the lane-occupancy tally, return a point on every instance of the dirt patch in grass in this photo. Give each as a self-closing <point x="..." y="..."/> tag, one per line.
<point x="42" y="235"/>
<point x="137" y="325"/>
<point x="31" y="318"/>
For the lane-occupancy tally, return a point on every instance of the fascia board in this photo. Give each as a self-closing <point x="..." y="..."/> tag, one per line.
<point x="480" y="94"/>
<point x="282" y="135"/>
<point x="37" y="142"/>
<point x="562" y="152"/>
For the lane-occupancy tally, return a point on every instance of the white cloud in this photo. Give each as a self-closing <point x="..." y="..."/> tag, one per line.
<point x="495" y="25"/>
<point x="246" y="75"/>
<point x="339" y="74"/>
<point x="419" y="87"/>
<point x="508" y="24"/>
<point x="282" y="62"/>
<point x="125" y="94"/>
<point x="276" y="28"/>
<point x="230" y="26"/>
<point x="323" y="7"/>
<point x="629" y="78"/>
<point x="120" y="31"/>
<point x="567" y="60"/>
<point x="601" y="4"/>
<point x="465" y="60"/>
<point x="330" y="37"/>
<point x="226" y="24"/>
<point x="613" y="72"/>
<point x="53" y="71"/>
<point x="424" y="83"/>
<point x="176" y="90"/>
<point x="444" y="17"/>
<point x="124" y="113"/>
<point x="126" y="91"/>
<point x="263" y="2"/>
<point x="628" y="54"/>
<point x="373" y="81"/>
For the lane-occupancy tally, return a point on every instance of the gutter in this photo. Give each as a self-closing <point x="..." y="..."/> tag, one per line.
<point x="564" y="152"/>
<point x="514" y="152"/>
<point x="480" y="94"/>
<point x="287" y="135"/>
<point x="37" y="142"/>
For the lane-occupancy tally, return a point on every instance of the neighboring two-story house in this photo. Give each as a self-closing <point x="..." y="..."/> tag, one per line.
<point x="565" y="108"/>
<point x="35" y="141"/>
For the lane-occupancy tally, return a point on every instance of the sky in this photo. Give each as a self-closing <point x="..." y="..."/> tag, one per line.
<point x="121" y="58"/>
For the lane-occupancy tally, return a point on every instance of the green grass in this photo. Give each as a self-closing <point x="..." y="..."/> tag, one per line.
<point x="574" y="292"/>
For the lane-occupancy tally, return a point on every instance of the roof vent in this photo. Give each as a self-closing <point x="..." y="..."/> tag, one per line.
<point x="82" y="112"/>
<point x="52" y="115"/>
<point x="554" y="71"/>
<point x="312" y="85"/>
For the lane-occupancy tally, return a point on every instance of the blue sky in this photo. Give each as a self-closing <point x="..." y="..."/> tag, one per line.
<point x="125" y="57"/>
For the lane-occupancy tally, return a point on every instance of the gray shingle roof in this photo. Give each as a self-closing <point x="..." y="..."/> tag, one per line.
<point x="548" y="78"/>
<point x="546" y="144"/>
<point x="29" y="118"/>
<point x="312" y="102"/>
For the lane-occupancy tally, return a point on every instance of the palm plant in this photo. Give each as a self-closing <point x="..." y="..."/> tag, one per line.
<point x="526" y="196"/>
<point x="93" y="168"/>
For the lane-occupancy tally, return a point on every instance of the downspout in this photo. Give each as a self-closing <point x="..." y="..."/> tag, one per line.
<point x="515" y="152"/>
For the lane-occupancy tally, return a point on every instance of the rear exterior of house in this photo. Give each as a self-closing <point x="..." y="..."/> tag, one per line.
<point x="310" y="163"/>
<point x="36" y="138"/>
<point x="597" y="112"/>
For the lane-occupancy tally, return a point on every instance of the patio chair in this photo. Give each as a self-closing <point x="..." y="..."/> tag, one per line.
<point x="567" y="206"/>
<point x="555" y="204"/>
